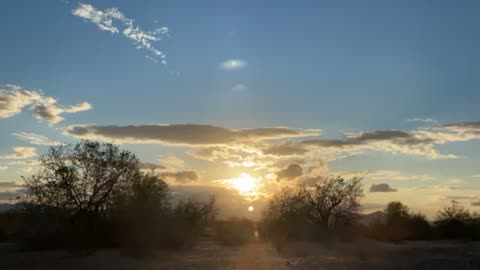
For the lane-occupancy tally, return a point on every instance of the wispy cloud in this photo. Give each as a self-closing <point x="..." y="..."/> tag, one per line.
<point x="423" y="120"/>
<point x="239" y="88"/>
<point x="172" y="161"/>
<point x="385" y="175"/>
<point x="114" y="21"/>
<point x="3" y="168"/>
<point x="185" y="134"/>
<point x="34" y="138"/>
<point x="13" y="99"/>
<point x="382" y="187"/>
<point x="180" y="176"/>
<point x="233" y="64"/>
<point x="21" y="152"/>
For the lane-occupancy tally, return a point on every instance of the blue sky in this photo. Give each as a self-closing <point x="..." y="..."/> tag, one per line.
<point x="338" y="66"/>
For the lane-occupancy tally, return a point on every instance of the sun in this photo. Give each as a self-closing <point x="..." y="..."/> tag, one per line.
<point x="245" y="183"/>
<point x="250" y="208"/>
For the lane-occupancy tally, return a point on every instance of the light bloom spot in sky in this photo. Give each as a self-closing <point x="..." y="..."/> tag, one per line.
<point x="250" y="208"/>
<point x="233" y="64"/>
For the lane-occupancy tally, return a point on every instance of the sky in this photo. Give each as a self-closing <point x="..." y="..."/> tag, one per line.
<point x="240" y="98"/>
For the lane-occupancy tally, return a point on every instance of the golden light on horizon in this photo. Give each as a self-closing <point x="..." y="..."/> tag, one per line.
<point x="247" y="185"/>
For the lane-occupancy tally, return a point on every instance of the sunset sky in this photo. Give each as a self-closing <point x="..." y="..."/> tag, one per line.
<point x="239" y="98"/>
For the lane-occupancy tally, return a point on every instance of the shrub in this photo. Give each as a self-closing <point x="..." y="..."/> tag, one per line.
<point x="456" y="222"/>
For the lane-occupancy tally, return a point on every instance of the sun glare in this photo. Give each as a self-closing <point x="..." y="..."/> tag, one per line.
<point x="245" y="183"/>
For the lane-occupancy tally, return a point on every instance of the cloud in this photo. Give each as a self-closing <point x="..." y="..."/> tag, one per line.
<point x="239" y="88"/>
<point x="285" y="149"/>
<point x="20" y="152"/>
<point x="29" y="162"/>
<point x="13" y="99"/>
<point x="81" y="107"/>
<point x="3" y="168"/>
<point x="172" y="161"/>
<point x="10" y="185"/>
<point x="385" y="175"/>
<point x="34" y="138"/>
<point x="233" y="64"/>
<point x="381" y="188"/>
<point x="436" y="187"/>
<point x="423" y="120"/>
<point x="181" y="176"/>
<point x="418" y="142"/>
<point x="455" y="132"/>
<point x="460" y="197"/>
<point x="11" y="190"/>
<point x="291" y="172"/>
<point x="114" y="21"/>
<point x="187" y="134"/>
<point x="475" y="203"/>
<point x="12" y="195"/>
<point x="380" y="140"/>
<point x="151" y="166"/>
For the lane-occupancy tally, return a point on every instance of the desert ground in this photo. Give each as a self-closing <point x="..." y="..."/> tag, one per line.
<point x="262" y="255"/>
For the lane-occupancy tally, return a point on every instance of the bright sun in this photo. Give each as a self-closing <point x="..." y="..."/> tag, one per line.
<point x="245" y="183"/>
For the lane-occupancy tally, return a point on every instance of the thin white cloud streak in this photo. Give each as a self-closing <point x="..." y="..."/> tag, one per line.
<point x="423" y="120"/>
<point x="21" y="152"/>
<point x="114" y="21"/>
<point x="34" y="138"/>
<point x="3" y="168"/>
<point x="13" y="100"/>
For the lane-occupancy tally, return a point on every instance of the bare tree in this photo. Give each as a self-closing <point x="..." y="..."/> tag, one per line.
<point x="83" y="177"/>
<point x="336" y="200"/>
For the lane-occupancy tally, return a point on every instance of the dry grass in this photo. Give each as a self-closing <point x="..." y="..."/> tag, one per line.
<point x="261" y="255"/>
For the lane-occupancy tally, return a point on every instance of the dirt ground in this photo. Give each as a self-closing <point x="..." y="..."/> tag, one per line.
<point x="262" y="255"/>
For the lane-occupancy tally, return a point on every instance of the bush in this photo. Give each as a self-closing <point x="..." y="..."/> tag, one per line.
<point x="456" y="222"/>
<point x="94" y="195"/>
<point x="323" y="212"/>
<point x="400" y="225"/>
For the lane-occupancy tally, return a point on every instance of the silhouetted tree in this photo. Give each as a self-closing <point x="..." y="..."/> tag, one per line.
<point x="396" y="212"/>
<point x="82" y="178"/>
<point x="454" y="221"/>
<point x="286" y="215"/>
<point x="335" y="201"/>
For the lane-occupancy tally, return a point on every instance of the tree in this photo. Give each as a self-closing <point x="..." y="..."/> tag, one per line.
<point x="454" y="221"/>
<point x="335" y="201"/>
<point x="453" y="212"/>
<point x="396" y="212"/>
<point x="287" y="215"/>
<point x="82" y="178"/>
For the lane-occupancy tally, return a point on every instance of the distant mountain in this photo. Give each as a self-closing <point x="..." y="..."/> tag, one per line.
<point x="5" y="207"/>
<point x="372" y="217"/>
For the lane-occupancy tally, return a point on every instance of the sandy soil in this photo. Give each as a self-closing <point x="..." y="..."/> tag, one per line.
<point x="261" y="255"/>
